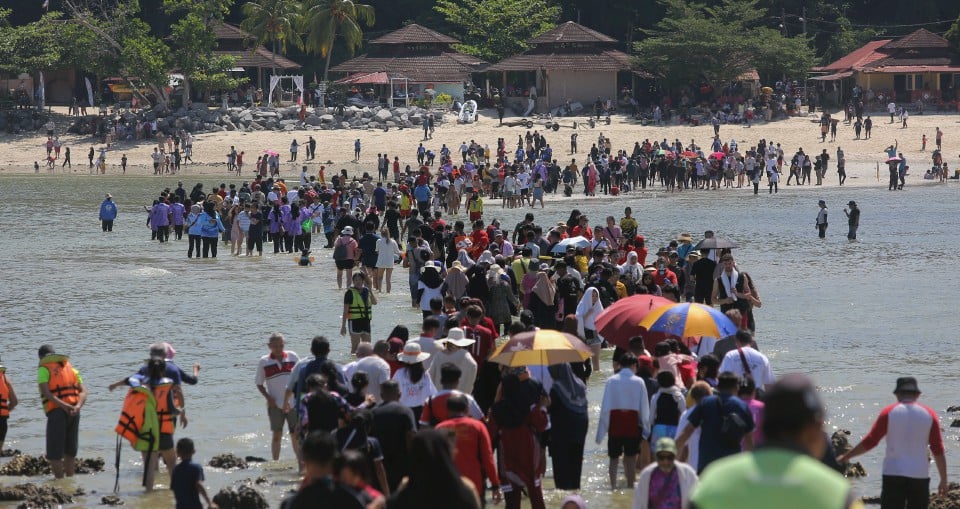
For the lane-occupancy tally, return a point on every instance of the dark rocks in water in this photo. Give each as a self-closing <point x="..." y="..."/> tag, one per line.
<point x="244" y="497"/>
<point x="955" y="423"/>
<point x="870" y="500"/>
<point x="35" y="496"/>
<point x="255" y="459"/>
<point x="259" y="481"/>
<point x="951" y="501"/>
<point x="111" y="500"/>
<point x="29" y="466"/>
<point x="841" y="445"/>
<point x="9" y="453"/>
<point x="954" y="408"/>
<point x="227" y="461"/>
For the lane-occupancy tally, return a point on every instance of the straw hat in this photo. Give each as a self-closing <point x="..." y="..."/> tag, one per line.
<point x="412" y="354"/>
<point x="685" y="237"/>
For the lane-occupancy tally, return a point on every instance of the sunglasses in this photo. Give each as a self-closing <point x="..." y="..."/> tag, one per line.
<point x="665" y="457"/>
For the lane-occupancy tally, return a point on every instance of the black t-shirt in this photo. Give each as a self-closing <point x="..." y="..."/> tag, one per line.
<point x="568" y="289"/>
<point x="392" y="217"/>
<point x="325" y="493"/>
<point x="368" y="249"/>
<point x="702" y="270"/>
<point x="392" y="423"/>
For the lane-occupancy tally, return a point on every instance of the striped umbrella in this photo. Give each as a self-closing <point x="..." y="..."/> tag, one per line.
<point x="619" y="322"/>
<point x="542" y="347"/>
<point x="689" y="319"/>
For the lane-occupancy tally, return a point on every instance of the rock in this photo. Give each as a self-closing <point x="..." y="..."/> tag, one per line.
<point x="244" y="497"/>
<point x="230" y="126"/>
<point x="870" y="500"/>
<point x="313" y="120"/>
<point x="228" y="461"/>
<point x="288" y="122"/>
<point x="255" y="126"/>
<point x="111" y="500"/>
<point x="391" y="123"/>
<point x="841" y="444"/>
<point x="404" y="117"/>
<point x="954" y="408"/>
<point x="416" y="119"/>
<point x="255" y="459"/>
<point x="29" y="466"/>
<point x="383" y="114"/>
<point x="245" y="116"/>
<point x="35" y="496"/>
<point x="955" y="423"/>
<point x="9" y="453"/>
<point x="400" y="111"/>
<point x="289" y="127"/>
<point x="326" y="118"/>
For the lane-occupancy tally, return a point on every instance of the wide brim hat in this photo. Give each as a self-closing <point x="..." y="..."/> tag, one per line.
<point x="457" y="337"/>
<point x="347" y="230"/>
<point x="412" y="354"/>
<point x="685" y="237"/>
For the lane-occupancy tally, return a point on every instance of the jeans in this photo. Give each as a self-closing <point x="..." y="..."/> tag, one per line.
<point x="898" y="492"/>
<point x="413" y="279"/>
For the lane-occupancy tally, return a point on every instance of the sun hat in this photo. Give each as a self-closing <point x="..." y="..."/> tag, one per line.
<point x="685" y="237"/>
<point x="412" y="353"/>
<point x="693" y="254"/>
<point x="907" y="384"/>
<point x="457" y="337"/>
<point x="852" y="203"/>
<point x="666" y="444"/>
<point x="347" y="230"/>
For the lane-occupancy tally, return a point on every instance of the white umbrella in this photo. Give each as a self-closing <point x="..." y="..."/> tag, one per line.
<point x="578" y="242"/>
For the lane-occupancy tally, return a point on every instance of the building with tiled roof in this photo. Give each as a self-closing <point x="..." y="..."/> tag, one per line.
<point x="920" y="65"/>
<point x="424" y="57"/>
<point x="568" y="63"/>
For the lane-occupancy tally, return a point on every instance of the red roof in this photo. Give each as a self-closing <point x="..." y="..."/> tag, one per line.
<point x="902" y="69"/>
<point x="372" y="78"/>
<point x="858" y="58"/>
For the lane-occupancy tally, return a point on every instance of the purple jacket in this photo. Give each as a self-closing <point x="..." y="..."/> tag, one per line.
<point x="275" y="218"/>
<point x="176" y="212"/>
<point x="160" y="215"/>
<point x="291" y="224"/>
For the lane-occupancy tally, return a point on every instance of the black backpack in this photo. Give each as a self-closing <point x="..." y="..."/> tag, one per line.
<point x="732" y="427"/>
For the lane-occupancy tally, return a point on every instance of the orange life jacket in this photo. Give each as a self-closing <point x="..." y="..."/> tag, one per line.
<point x="138" y="420"/>
<point x="63" y="381"/>
<point x="4" y="396"/>
<point x="166" y="409"/>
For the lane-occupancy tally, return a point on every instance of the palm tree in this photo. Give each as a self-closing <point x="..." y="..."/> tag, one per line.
<point x="324" y="20"/>
<point x="274" y="21"/>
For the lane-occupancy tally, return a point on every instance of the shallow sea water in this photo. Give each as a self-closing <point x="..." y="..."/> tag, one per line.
<point x="854" y="316"/>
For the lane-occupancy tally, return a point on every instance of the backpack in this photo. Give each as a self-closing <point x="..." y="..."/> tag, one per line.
<point x="340" y="251"/>
<point x="732" y="427"/>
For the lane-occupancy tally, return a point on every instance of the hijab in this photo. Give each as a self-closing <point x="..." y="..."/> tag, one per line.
<point x="465" y="259"/>
<point x="544" y="288"/>
<point x="569" y="390"/>
<point x="493" y="275"/>
<point x="456" y="281"/>
<point x="487" y="256"/>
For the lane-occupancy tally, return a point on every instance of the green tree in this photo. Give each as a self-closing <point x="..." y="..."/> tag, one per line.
<point x="695" y="43"/>
<point x="275" y="22"/>
<point x="953" y="35"/>
<point x="192" y="42"/>
<point x="496" y="29"/>
<point x="325" y="20"/>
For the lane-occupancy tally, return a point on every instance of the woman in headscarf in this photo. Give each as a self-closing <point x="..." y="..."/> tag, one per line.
<point x="433" y="476"/>
<point x="592" y="176"/>
<point x="542" y="301"/>
<point x="456" y="280"/>
<point x="487" y="257"/>
<point x="430" y="287"/>
<point x="631" y="271"/>
<point x="568" y="416"/>
<point x="477" y="282"/>
<point x="464" y="258"/>
<point x="587" y="311"/>
<point x="501" y="298"/>
<point x="516" y="419"/>
<point x="573" y="502"/>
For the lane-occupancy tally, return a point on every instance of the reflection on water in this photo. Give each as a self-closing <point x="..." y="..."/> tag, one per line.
<point x="852" y="315"/>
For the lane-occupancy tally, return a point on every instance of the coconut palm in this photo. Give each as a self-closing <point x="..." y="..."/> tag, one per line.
<point x="324" y="20"/>
<point x="273" y="21"/>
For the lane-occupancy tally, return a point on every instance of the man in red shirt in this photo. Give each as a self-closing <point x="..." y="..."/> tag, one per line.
<point x="474" y="454"/>
<point x="488" y="373"/>
<point x="910" y="429"/>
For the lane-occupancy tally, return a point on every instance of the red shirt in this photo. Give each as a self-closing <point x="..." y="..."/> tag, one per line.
<point x="661" y="279"/>
<point x="485" y="341"/>
<point x="474" y="456"/>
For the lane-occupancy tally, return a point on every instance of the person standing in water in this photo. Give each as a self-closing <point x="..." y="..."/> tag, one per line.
<point x="822" y="219"/>
<point x="853" y="220"/>
<point x="108" y="213"/>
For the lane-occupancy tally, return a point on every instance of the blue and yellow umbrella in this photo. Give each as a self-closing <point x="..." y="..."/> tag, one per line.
<point x="688" y="319"/>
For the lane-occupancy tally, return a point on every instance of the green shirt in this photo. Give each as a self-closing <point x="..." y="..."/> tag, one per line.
<point x="772" y="477"/>
<point x="43" y="375"/>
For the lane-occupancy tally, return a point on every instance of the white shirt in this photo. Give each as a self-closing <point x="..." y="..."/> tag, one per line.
<point x="759" y="365"/>
<point x="387" y="250"/>
<point x="414" y="394"/>
<point x="461" y="359"/>
<point x="624" y="391"/>
<point x="693" y="445"/>
<point x="428" y="345"/>
<point x="377" y="370"/>
<point x="274" y="375"/>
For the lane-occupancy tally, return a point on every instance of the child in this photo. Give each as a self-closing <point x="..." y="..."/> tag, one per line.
<point x="475" y="207"/>
<point x="305" y="259"/>
<point x="186" y="480"/>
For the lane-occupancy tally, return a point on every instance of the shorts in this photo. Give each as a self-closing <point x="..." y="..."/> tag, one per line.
<point x="523" y="192"/>
<point x="590" y="337"/>
<point x="166" y="442"/>
<point x="359" y="326"/>
<point x="3" y="428"/>
<point x="623" y="446"/>
<point x="345" y="264"/>
<point x="277" y="417"/>
<point x="63" y="432"/>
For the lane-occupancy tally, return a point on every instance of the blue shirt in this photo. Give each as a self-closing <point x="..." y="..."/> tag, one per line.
<point x="422" y="193"/>
<point x="707" y="416"/>
<point x="183" y="482"/>
<point x="172" y="371"/>
<point x="108" y="210"/>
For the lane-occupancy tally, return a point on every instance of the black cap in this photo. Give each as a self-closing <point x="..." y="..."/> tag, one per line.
<point x="45" y="350"/>
<point x="906" y="384"/>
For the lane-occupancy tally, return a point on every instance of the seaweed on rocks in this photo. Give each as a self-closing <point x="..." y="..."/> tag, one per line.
<point x="228" y="461"/>
<point x="111" y="500"/>
<point x="35" y="496"/>
<point x="841" y="444"/>
<point x="244" y="497"/>
<point x="29" y="466"/>
<point x="255" y="459"/>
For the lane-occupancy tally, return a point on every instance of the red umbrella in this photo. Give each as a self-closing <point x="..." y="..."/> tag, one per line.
<point x="718" y="155"/>
<point x="689" y="153"/>
<point x="650" y="339"/>
<point x="619" y="322"/>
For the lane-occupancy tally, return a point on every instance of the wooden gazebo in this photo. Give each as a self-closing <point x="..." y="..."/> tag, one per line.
<point x="234" y="41"/>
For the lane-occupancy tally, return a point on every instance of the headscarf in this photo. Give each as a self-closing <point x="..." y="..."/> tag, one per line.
<point x="576" y="499"/>
<point x="487" y="256"/>
<point x="544" y="288"/>
<point x="431" y="277"/>
<point x="493" y="275"/>
<point x="585" y="305"/>
<point x="632" y="268"/>
<point x="569" y="390"/>
<point x="456" y="281"/>
<point x="464" y="258"/>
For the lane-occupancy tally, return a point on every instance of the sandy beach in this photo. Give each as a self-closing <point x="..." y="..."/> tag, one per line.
<point x="335" y="148"/>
